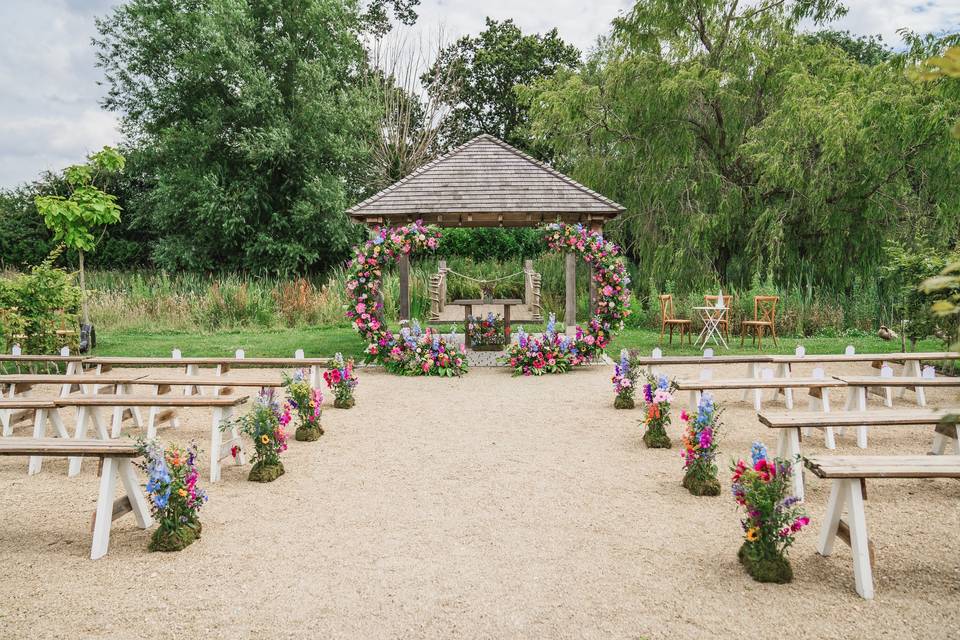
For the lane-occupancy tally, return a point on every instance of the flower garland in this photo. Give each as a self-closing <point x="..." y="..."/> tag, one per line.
<point x="413" y="352"/>
<point x="613" y="299"/>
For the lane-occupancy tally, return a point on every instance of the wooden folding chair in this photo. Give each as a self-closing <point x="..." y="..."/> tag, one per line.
<point x="728" y="303"/>
<point x="764" y="317"/>
<point x="668" y="318"/>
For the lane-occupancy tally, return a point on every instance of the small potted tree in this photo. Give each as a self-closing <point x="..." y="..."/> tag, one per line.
<point x="74" y="218"/>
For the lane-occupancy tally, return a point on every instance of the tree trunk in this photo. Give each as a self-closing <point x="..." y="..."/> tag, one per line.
<point x="83" y="291"/>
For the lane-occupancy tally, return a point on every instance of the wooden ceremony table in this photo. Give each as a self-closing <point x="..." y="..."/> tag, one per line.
<point x="506" y="303"/>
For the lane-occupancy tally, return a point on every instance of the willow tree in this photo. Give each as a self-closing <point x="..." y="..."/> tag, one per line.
<point x="742" y="147"/>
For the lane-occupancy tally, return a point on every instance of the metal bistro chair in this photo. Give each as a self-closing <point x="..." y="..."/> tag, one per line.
<point x="764" y="317"/>
<point x="668" y="318"/>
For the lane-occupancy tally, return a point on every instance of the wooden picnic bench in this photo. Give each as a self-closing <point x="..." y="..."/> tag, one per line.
<point x="191" y="366"/>
<point x="791" y="424"/>
<point x="910" y="366"/>
<point x="848" y="492"/>
<point x="757" y="385"/>
<point x="19" y="383"/>
<point x="116" y="457"/>
<point x="88" y="410"/>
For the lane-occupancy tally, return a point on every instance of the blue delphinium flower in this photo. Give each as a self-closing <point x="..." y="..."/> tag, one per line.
<point x="377" y="240"/>
<point x="663" y="383"/>
<point x="436" y="342"/>
<point x="758" y="452"/>
<point x="417" y="331"/>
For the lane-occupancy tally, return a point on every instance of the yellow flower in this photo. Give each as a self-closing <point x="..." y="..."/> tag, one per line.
<point x="264" y="438"/>
<point x="752" y="534"/>
<point x="183" y="493"/>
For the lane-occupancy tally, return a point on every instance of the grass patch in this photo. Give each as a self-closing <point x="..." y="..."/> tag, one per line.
<point x="325" y="341"/>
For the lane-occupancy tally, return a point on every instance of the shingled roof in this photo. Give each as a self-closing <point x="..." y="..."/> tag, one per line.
<point x="485" y="183"/>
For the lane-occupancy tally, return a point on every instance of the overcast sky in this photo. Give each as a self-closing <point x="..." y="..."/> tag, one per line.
<point x="49" y="97"/>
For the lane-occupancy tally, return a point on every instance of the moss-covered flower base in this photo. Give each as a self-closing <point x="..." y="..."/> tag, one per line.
<point x="308" y="434"/>
<point x="657" y="439"/>
<point x="265" y="472"/>
<point x="344" y="403"/>
<point x="700" y="486"/>
<point x="775" y="570"/>
<point x="164" y="539"/>
<point x="623" y="403"/>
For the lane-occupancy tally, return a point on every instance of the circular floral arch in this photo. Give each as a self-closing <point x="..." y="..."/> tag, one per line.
<point x="427" y="352"/>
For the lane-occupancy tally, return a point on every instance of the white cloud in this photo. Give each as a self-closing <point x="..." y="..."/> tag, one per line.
<point x="49" y="116"/>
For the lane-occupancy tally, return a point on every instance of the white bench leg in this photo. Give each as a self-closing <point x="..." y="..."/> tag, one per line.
<point x="831" y="521"/>
<point x="857" y="401"/>
<point x="131" y="484"/>
<point x="220" y="415"/>
<point x="859" y="543"/>
<point x="192" y="371"/>
<point x="316" y="377"/>
<point x="694" y="401"/>
<point x="911" y="369"/>
<point x="788" y="446"/>
<point x="6" y="415"/>
<point x="39" y="431"/>
<point x="753" y="371"/>
<point x="80" y="432"/>
<point x="104" y="517"/>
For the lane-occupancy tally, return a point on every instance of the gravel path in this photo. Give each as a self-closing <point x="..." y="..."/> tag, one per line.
<point x="486" y="507"/>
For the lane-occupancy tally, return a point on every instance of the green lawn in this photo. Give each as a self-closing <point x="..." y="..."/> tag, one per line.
<point x="328" y="340"/>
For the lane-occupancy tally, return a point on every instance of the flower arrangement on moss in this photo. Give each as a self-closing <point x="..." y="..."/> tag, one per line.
<point x="773" y="518"/>
<point x="624" y="382"/>
<point x="265" y="425"/>
<point x="658" y="394"/>
<point x="175" y="498"/>
<point x="342" y="380"/>
<point x="700" y="448"/>
<point x="552" y="353"/>
<point x="426" y="352"/>
<point x="486" y="332"/>
<point x="612" y="304"/>
<point x="307" y="402"/>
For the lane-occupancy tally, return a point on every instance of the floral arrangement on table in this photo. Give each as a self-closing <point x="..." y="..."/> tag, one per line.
<point x="658" y="394"/>
<point x="612" y="304"/>
<point x="266" y="425"/>
<point x="773" y="518"/>
<point x="553" y="353"/>
<point x="426" y="352"/>
<point x="700" y="448"/>
<point x="307" y="402"/>
<point x="486" y="334"/>
<point x="175" y="498"/>
<point x="342" y="380"/>
<point x="624" y="382"/>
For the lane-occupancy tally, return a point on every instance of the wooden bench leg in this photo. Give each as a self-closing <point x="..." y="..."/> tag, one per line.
<point x="40" y="431"/>
<point x="6" y="415"/>
<point x="80" y="432"/>
<point x="859" y="542"/>
<point x="104" y="517"/>
<point x="218" y="448"/>
<point x="831" y="521"/>
<point x="694" y="401"/>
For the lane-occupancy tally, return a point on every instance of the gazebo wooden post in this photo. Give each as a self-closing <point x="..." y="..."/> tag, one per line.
<point x="403" y="266"/>
<point x="570" y="296"/>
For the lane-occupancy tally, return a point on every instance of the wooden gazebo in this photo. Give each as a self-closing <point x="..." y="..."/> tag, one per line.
<point x="486" y="183"/>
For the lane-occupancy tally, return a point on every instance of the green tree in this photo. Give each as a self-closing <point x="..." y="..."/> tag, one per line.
<point x="74" y="218"/>
<point x="251" y="123"/>
<point x="741" y="148"/>
<point x="485" y="71"/>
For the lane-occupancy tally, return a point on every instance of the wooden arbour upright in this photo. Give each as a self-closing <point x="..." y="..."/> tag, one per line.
<point x="487" y="183"/>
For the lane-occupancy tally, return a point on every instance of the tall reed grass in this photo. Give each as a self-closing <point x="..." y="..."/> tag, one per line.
<point x="188" y="302"/>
